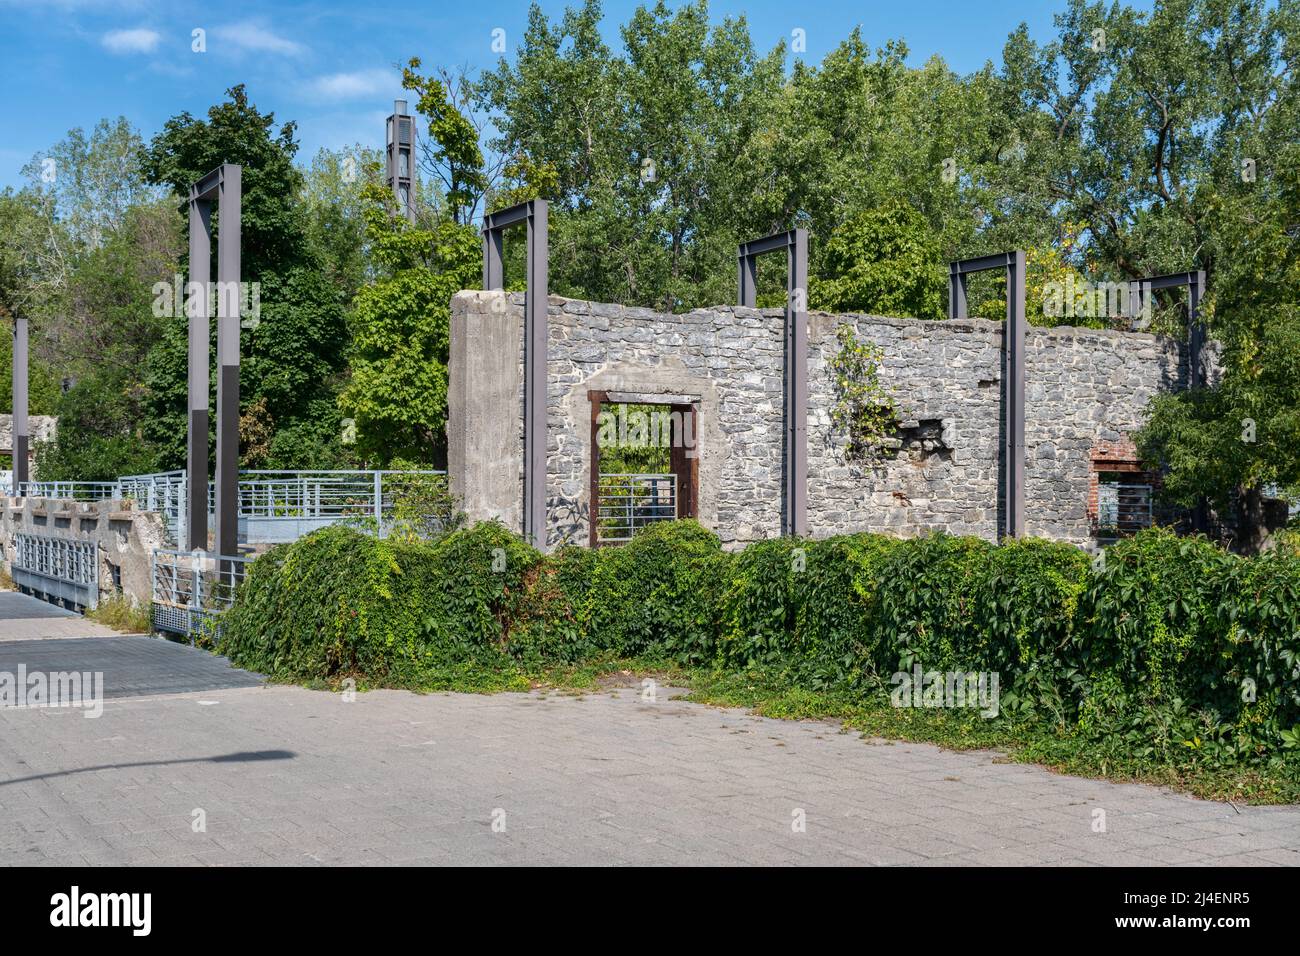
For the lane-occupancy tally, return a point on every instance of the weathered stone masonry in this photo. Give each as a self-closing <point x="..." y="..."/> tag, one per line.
<point x="1083" y="387"/>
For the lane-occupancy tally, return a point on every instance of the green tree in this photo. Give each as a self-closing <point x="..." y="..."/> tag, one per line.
<point x="292" y="357"/>
<point x="400" y="323"/>
<point x="452" y="150"/>
<point x="98" y="436"/>
<point x="886" y="262"/>
<point x="336" y="223"/>
<point x="639" y="151"/>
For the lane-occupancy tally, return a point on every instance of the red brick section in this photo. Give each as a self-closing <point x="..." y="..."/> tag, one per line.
<point x="1119" y="455"/>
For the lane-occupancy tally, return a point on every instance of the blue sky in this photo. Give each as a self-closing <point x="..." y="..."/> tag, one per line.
<point x="334" y="66"/>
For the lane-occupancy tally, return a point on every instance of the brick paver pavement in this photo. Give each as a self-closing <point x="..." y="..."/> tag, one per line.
<point x="290" y="776"/>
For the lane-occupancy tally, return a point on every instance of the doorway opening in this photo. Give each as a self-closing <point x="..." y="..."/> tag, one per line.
<point x="644" y="462"/>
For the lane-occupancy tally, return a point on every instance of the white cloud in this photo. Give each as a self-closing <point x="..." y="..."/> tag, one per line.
<point x="356" y="85"/>
<point x="139" y="40"/>
<point x="253" y="37"/>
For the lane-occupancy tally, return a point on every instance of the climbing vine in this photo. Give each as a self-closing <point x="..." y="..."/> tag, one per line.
<point x="863" y="408"/>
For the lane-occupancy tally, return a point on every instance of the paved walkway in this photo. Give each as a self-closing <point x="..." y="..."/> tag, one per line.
<point x="23" y="617"/>
<point x="282" y="775"/>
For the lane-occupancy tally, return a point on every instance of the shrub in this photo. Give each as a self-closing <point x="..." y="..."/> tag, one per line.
<point x="1027" y="610"/>
<point x="1178" y="626"/>
<point x="839" y="611"/>
<point x="1168" y="648"/>
<point x="806" y="606"/>
<point x="929" y="590"/>
<point x="761" y="605"/>
<point x="660" y="593"/>
<point x="341" y="602"/>
<point x="1152" y="611"/>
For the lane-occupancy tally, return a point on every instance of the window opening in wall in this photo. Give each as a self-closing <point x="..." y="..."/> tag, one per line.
<point x="1124" y="504"/>
<point x="643" y="465"/>
<point x="922" y="443"/>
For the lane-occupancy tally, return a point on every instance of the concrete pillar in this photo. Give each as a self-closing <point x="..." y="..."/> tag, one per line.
<point x="484" y="385"/>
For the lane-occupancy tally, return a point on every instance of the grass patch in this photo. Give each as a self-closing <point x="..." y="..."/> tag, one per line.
<point x="122" y="614"/>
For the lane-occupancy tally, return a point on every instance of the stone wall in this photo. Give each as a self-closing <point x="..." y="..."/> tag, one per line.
<point x="39" y="427"/>
<point x="125" y="538"/>
<point x="1083" y="386"/>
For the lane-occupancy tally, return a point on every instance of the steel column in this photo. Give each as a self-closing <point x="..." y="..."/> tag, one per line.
<point x="794" y="511"/>
<point x="228" y="303"/>
<point x="956" y="295"/>
<point x="224" y="186"/>
<point x="534" y="215"/>
<point x="1013" y="398"/>
<point x="197" y="301"/>
<point x="1012" y="446"/>
<point x="1196" y="333"/>
<point x="1196" y="339"/>
<point x="21" y="429"/>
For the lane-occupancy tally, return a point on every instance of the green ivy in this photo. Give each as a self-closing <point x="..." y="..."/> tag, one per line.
<point x="863" y="409"/>
<point x="1165" y="648"/>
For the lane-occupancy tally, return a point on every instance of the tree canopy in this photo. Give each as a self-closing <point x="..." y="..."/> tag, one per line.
<point x="1128" y="143"/>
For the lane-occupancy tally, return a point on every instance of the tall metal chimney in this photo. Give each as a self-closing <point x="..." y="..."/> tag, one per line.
<point x="400" y="166"/>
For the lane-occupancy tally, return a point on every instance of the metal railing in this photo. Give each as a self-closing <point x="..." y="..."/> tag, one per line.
<point x="278" y="506"/>
<point x="163" y="492"/>
<point x="310" y="494"/>
<point x="62" y="569"/>
<point x="191" y="590"/>
<point x="1123" y="508"/>
<point x="629" y="502"/>
<point x="274" y="506"/>
<point x="69" y="490"/>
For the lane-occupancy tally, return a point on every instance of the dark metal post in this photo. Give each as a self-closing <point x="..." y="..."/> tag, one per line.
<point x="956" y="293"/>
<point x="224" y="185"/>
<point x="534" y="215"/>
<point x="794" y="511"/>
<point x="535" y="347"/>
<point x="1196" y="335"/>
<point x="228" y="303"/>
<point x="747" y="287"/>
<point x="493" y="264"/>
<point x="796" y="391"/>
<point x="1013" y="396"/>
<point x="21" y="432"/>
<point x="196" y="304"/>
<point x="1196" y="339"/>
<point x="1012" y="451"/>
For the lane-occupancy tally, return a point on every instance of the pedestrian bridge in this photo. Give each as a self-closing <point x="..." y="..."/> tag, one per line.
<point x="73" y="543"/>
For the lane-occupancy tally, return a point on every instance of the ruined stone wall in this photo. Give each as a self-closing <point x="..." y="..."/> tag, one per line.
<point x="125" y="538"/>
<point x="1083" y="386"/>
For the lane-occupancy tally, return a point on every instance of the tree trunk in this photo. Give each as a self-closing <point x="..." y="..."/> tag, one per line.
<point x="1252" y="529"/>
